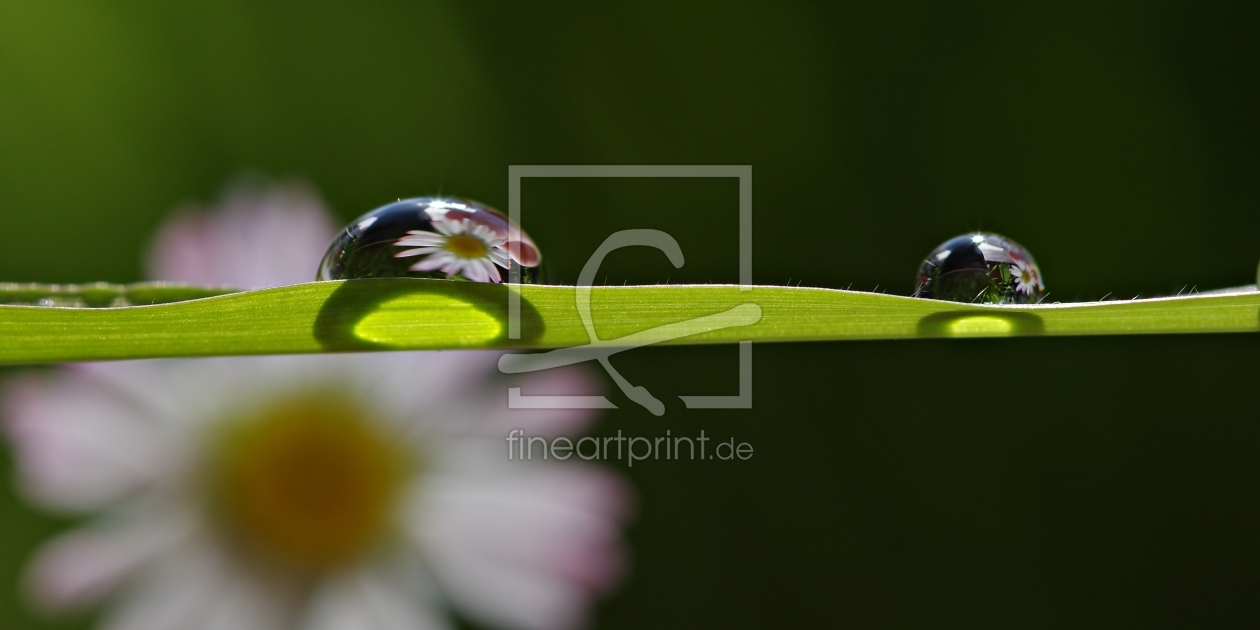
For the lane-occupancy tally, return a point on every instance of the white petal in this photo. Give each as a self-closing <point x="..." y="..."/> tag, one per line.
<point x="418" y="388"/>
<point x="373" y="599"/>
<point x="488" y="414"/>
<point x="175" y="393"/>
<point x="499" y="257"/>
<point x="422" y="241"/>
<point x="453" y="267"/>
<point x="446" y="227"/>
<point x="527" y="550"/>
<point x="486" y="234"/>
<point x="145" y="384"/>
<point x="434" y="261"/>
<point x="497" y="594"/>
<point x="492" y="272"/>
<point x="417" y="252"/>
<point x="475" y="271"/>
<point x="424" y="393"/>
<point x="423" y="235"/>
<point x="186" y="394"/>
<point x="198" y="588"/>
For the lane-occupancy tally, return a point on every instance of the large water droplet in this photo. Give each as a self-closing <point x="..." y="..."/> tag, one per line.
<point x="431" y="237"/>
<point x="981" y="268"/>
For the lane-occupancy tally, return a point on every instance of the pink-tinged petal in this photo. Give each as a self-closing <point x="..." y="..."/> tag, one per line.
<point x="180" y="252"/>
<point x="376" y="598"/>
<point x="261" y="236"/>
<point x="80" y="568"/>
<point x="528" y="255"/>
<point x="523" y="550"/>
<point x="79" y="448"/>
<point x="495" y="223"/>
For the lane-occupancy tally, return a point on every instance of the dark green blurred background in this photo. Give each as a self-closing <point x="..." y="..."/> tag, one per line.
<point x="1108" y="482"/>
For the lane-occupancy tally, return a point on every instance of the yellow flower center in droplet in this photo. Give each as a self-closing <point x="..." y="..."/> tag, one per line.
<point x="466" y="246"/>
<point x="311" y="483"/>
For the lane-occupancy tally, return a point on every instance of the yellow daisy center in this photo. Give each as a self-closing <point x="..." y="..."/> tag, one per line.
<point x="466" y="246"/>
<point x="311" y="483"/>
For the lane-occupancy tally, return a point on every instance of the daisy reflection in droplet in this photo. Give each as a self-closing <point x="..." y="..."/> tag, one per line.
<point x="1025" y="277"/>
<point x="458" y="247"/>
<point x="315" y="493"/>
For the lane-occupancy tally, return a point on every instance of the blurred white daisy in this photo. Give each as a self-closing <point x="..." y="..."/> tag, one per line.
<point x="1026" y="280"/>
<point x="367" y="491"/>
<point x="459" y="247"/>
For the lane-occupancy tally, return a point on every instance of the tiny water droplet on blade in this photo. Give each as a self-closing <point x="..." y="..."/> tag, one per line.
<point x="432" y="237"/>
<point x="980" y="268"/>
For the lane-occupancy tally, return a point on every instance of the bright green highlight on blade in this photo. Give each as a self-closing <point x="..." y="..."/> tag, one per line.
<point x="400" y="321"/>
<point x="410" y="314"/>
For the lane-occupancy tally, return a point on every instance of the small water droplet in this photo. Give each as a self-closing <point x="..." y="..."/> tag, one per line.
<point x="980" y="268"/>
<point x="432" y="237"/>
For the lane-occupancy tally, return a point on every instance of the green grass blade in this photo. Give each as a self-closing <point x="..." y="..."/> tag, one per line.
<point x="103" y="294"/>
<point x="407" y="314"/>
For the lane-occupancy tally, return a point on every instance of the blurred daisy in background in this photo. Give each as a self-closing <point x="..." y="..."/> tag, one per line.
<point x="368" y="491"/>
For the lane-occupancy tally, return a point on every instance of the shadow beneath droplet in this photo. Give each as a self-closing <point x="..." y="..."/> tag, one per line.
<point x="388" y="313"/>
<point x="976" y="323"/>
